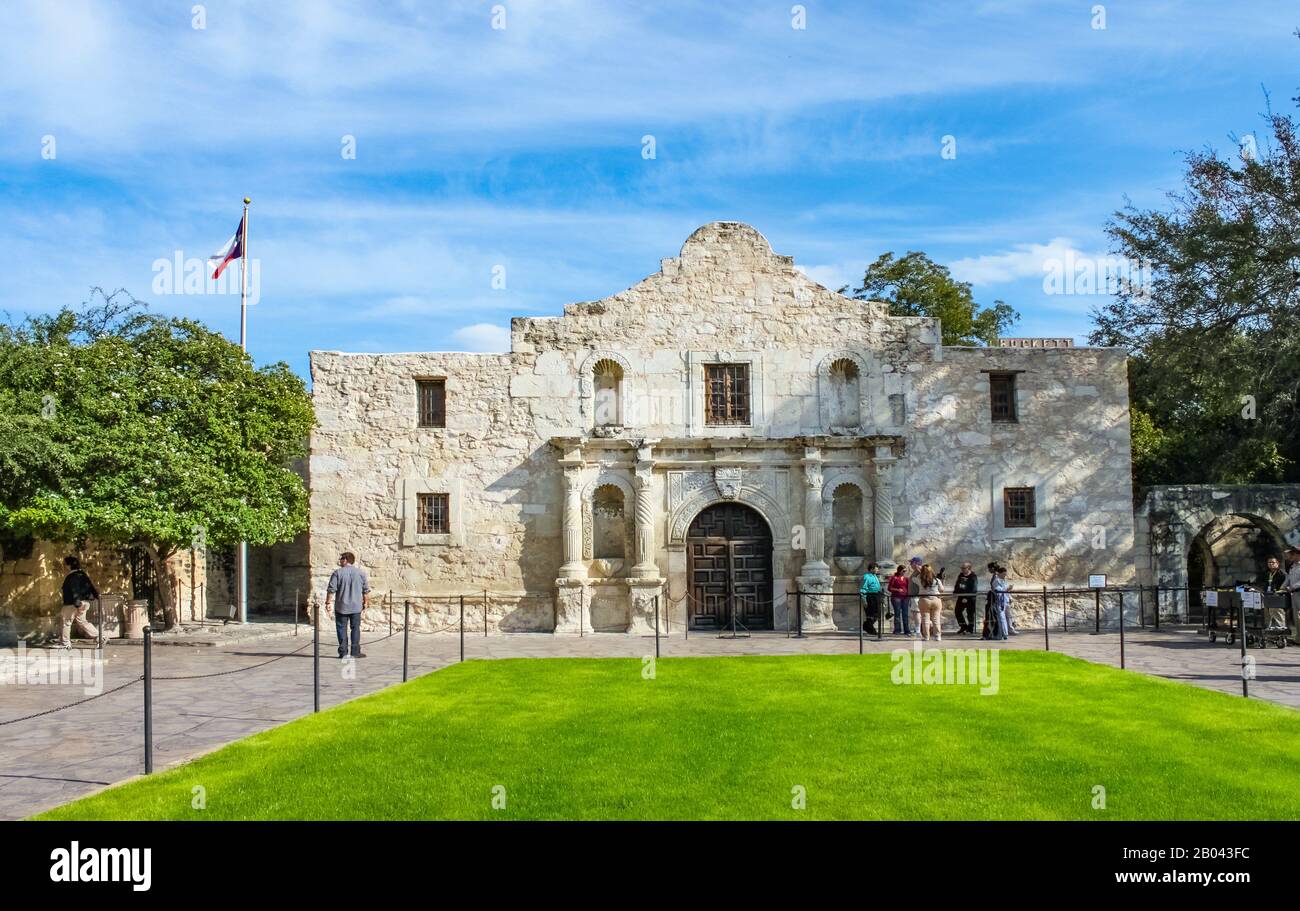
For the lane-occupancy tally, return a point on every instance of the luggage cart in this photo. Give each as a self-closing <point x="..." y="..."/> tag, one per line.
<point x="1221" y="613"/>
<point x="1258" y="632"/>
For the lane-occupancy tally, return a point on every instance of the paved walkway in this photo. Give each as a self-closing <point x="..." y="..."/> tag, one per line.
<point x="49" y="760"/>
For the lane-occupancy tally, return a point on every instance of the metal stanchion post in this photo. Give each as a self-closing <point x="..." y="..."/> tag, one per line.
<point x="1097" y="600"/>
<point x="1121" y="630"/>
<point x="485" y="613"/>
<point x="462" y="627"/>
<point x="798" y="619"/>
<point x="1156" y="621"/>
<point x="390" y="613"/>
<point x="1241" y="634"/>
<point x="1065" y="610"/>
<point x="656" y="626"/>
<point x="99" y="615"/>
<point x="315" y="655"/>
<point x="406" y="635"/>
<point x="880" y="615"/>
<point x="295" y="611"/>
<point x="862" y="619"/>
<point x="1047" y="638"/>
<point x="148" y="700"/>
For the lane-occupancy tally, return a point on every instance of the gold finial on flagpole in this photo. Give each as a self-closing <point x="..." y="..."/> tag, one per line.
<point x="247" y="201"/>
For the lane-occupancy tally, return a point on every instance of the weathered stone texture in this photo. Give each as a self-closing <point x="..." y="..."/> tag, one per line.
<point x="917" y="441"/>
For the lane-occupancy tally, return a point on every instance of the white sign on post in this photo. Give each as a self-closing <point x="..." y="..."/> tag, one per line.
<point x="1211" y="599"/>
<point x="1252" y="600"/>
<point x="1097" y="581"/>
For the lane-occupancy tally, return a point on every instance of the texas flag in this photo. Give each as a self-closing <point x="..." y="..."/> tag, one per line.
<point x="233" y="250"/>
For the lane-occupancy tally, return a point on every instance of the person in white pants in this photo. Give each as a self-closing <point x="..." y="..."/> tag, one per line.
<point x="929" y="604"/>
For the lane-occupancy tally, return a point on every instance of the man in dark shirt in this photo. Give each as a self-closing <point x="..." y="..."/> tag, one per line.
<point x="78" y="592"/>
<point x="1273" y="581"/>
<point x="964" y="588"/>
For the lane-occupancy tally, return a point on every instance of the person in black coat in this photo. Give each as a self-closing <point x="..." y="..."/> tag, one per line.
<point x="964" y="587"/>
<point x="78" y="592"/>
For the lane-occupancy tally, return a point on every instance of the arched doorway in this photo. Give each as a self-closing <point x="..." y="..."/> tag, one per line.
<point x="1229" y="550"/>
<point x="729" y="568"/>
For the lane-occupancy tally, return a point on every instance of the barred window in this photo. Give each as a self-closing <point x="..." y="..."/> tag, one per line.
<point x="1018" y="507"/>
<point x="431" y="402"/>
<point x="726" y="393"/>
<point x="1002" y="393"/>
<point x="434" y="513"/>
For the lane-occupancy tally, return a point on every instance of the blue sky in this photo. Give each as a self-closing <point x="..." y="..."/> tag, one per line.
<point x="522" y="147"/>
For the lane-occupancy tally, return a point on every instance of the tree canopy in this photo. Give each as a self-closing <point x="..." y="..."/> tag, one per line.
<point x="915" y="285"/>
<point x="136" y="429"/>
<point x="1215" y="332"/>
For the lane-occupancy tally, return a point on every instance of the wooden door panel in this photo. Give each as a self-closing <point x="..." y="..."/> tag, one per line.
<point x="729" y="568"/>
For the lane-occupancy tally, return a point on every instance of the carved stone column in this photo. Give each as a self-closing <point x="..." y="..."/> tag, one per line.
<point x="884" y="506"/>
<point x="574" y="567"/>
<point x="814" y="519"/>
<point x="644" y="533"/>
<point x="815" y="585"/>
<point x="645" y="585"/>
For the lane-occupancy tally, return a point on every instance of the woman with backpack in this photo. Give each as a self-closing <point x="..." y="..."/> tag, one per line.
<point x="900" y="592"/>
<point x="929" y="604"/>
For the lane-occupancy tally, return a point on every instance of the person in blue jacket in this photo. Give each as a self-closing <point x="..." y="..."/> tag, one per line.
<point x="870" y="592"/>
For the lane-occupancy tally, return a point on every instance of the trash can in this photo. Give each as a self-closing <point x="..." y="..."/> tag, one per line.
<point x="134" y="615"/>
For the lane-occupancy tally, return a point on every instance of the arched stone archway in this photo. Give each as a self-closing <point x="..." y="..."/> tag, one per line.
<point x="729" y="568"/>
<point x="773" y="513"/>
<point x="1227" y="551"/>
<point x="1173" y="519"/>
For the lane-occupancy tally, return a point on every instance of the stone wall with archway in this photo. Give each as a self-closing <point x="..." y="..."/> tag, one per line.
<point x="1173" y="521"/>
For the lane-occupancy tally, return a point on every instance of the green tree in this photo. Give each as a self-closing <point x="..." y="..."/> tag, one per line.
<point x="1214" y="329"/>
<point x="141" y="430"/>
<point x="916" y="285"/>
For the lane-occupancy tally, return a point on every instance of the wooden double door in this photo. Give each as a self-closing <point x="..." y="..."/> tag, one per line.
<point x="729" y="568"/>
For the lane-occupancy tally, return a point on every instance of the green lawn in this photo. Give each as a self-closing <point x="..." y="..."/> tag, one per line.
<point x="730" y="738"/>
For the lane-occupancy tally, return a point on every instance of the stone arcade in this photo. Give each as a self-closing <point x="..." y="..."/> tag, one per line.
<point x="721" y="434"/>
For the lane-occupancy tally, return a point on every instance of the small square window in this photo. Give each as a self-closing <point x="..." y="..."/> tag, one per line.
<point x="1002" y="395"/>
<point x="726" y="394"/>
<point x="431" y="402"/>
<point x="433" y="511"/>
<point x="1018" y="507"/>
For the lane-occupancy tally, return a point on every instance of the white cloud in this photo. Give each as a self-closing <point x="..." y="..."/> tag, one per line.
<point x="486" y="337"/>
<point x="1022" y="261"/>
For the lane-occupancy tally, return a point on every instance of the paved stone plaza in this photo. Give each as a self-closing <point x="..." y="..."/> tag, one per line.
<point x="55" y="758"/>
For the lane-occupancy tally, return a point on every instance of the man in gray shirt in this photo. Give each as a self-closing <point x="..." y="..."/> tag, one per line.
<point x="350" y="590"/>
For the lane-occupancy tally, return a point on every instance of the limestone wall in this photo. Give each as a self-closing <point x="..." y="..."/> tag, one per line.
<point x="368" y="456"/>
<point x="1070" y="443"/>
<point x="726" y="298"/>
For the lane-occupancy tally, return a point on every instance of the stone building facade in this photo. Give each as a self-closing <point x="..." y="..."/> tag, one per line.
<point x="721" y="435"/>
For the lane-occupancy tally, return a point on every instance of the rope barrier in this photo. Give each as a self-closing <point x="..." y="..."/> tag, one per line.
<point x="236" y="670"/>
<point x="115" y="689"/>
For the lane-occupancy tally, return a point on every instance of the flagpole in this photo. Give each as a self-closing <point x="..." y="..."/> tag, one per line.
<point x="242" y="569"/>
